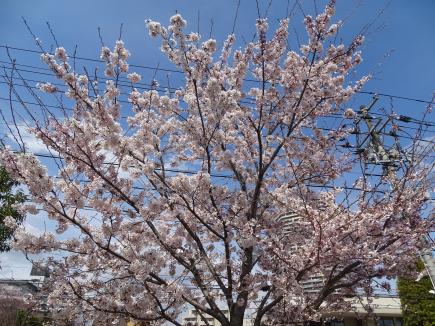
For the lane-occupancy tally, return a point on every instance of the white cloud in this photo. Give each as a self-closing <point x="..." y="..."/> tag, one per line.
<point x="32" y="229"/>
<point x="32" y="144"/>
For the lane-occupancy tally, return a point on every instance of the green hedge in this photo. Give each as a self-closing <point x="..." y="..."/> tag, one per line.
<point x="418" y="304"/>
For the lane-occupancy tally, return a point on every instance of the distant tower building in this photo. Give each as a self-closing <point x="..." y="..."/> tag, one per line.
<point x="288" y="222"/>
<point x="291" y="222"/>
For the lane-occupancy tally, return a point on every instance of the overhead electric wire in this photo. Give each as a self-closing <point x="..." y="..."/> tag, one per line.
<point x="181" y="72"/>
<point x="124" y="117"/>
<point x="145" y="86"/>
<point x="92" y="60"/>
<point x="50" y="73"/>
<point x="220" y="176"/>
<point x="405" y="119"/>
<point x="401" y="118"/>
<point x="150" y="87"/>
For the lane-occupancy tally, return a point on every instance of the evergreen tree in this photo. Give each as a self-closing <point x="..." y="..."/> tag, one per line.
<point x="8" y="199"/>
<point x="418" y="304"/>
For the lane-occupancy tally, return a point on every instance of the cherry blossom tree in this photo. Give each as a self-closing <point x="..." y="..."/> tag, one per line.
<point x="180" y="203"/>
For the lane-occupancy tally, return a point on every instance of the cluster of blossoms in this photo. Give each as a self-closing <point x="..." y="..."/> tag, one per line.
<point x="117" y="58"/>
<point x="186" y="193"/>
<point x="134" y="77"/>
<point x="47" y="87"/>
<point x="10" y="222"/>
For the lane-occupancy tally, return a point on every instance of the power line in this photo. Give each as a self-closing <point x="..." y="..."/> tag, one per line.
<point x="405" y="119"/>
<point x="396" y="97"/>
<point x="149" y="87"/>
<point x="408" y="119"/>
<point x="181" y="72"/>
<point x="248" y="101"/>
<point x="50" y="73"/>
<point x="124" y="117"/>
<point x="220" y="176"/>
<point x="145" y="86"/>
<point x="93" y="60"/>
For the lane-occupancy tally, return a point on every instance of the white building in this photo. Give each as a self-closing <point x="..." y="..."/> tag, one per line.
<point x="386" y="312"/>
<point x="290" y="223"/>
<point x="193" y="318"/>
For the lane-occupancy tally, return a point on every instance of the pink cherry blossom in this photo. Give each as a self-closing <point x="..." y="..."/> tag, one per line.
<point x="182" y="202"/>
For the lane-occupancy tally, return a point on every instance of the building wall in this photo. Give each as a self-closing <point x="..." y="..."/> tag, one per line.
<point x="194" y="319"/>
<point x="387" y="312"/>
<point x="381" y="321"/>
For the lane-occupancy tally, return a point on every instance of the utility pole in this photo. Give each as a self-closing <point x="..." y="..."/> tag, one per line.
<point x="374" y="150"/>
<point x="429" y="265"/>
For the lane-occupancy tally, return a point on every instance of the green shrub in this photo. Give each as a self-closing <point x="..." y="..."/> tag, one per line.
<point x="418" y="304"/>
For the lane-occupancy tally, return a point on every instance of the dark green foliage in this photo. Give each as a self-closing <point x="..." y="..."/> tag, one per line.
<point x="8" y="198"/>
<point x="24" y="318"/>
<point x="418" y="304"/>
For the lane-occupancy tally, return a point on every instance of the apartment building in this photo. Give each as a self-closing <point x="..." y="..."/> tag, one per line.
<point x="193" y="318"/>
<point x="291" y="223"/>
<point x="386" y="312"/>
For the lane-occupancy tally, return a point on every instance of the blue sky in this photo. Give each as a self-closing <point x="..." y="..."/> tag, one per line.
<point x="405" y="30"/>
<point x="398" y="51"/>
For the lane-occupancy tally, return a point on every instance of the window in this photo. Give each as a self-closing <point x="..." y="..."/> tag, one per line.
<point x="386" y="322"/>
<point x="337" y="323"/>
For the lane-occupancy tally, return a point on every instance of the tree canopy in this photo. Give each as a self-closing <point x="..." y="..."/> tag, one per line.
<point x="167" y="197"/>
<point x="9" y="215"/>
<point x="418" y="304"/>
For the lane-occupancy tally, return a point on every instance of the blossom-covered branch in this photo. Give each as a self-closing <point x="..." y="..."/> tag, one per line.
<point x="180" y="203"/>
